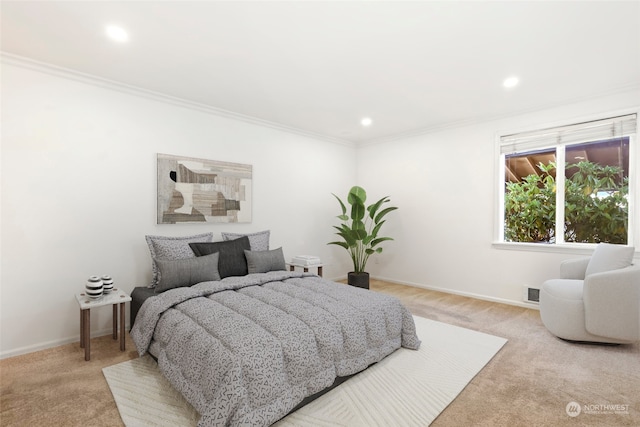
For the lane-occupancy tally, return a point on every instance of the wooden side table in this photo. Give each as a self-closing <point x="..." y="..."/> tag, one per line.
<point x="292" y="267"/>
<point x="115" y="297"/>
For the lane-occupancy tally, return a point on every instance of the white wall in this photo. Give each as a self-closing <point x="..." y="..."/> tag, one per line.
<point x="79" y="187"/>
<point x="445" y="184"/>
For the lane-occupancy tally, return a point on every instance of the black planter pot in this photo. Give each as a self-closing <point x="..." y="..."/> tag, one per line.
<point x="361" y="280"/>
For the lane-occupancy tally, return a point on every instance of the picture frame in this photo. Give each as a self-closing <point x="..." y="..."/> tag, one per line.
<point x="192" y="190"/>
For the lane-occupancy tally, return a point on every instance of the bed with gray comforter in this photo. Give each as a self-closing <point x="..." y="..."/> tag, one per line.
<point x="244" y="351"/>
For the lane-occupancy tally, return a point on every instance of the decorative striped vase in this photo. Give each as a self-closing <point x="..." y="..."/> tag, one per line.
<point x="93" y="288"/>
<point x="107" y="284"/>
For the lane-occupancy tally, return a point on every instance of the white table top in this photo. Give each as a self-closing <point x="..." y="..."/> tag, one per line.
<point x="116" y="296"/>
<point x="305" y="265"/>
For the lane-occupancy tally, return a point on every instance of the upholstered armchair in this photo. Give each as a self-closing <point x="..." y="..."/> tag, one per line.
<point x="596" y="299"/>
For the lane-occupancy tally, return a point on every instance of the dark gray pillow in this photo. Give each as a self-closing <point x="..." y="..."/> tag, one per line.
<point x="265" y="261"/>
<point x="187" y="272"/>
<point x="232" y="261"/>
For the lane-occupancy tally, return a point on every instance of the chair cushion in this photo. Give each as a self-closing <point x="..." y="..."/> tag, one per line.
<point x="567" y="289"/>
<point x="609" y="257"/>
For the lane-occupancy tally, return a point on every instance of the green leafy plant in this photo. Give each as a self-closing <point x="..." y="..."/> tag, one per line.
<point x="596" y="205"/>
<point x="359" y="230"/>
<point x="530" y="207"/>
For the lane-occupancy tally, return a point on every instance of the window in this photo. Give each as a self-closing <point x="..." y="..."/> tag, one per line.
<point x="568" y="184"/>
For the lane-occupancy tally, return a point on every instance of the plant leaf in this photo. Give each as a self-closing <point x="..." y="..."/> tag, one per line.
<point x="383" y="213"/>
<point x="379" y="240"/>
<point x="357" y="211"/>
<point x="343" y="244"/>
<point x="342" y="206"/>
<point x="357" y="194"/>
<point x="373" y="209"/>
<point x="374" y="232"/>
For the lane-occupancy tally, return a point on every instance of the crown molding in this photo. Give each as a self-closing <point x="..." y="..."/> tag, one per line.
<point x="90" y="79"/>
<point x="488" y="118"/>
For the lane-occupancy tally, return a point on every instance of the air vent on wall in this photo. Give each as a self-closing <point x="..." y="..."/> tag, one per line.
<point x="531" y="295"/>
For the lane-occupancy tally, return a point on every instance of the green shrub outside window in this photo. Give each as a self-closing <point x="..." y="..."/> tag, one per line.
<point x="569" y="183"/>
<point x="596" y="205"/>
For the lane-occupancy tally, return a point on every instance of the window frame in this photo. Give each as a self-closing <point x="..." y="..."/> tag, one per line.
<point x="562" y="246"/>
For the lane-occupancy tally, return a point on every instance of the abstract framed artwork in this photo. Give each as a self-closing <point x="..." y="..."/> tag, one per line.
<point x="198" y="190"/>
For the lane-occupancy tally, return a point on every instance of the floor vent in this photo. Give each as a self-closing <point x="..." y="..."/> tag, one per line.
<point x="531" y="295"/>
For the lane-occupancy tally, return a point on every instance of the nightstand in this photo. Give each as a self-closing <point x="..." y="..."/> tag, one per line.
<point x="115" y="297"/>
<point x="292" y="267"/>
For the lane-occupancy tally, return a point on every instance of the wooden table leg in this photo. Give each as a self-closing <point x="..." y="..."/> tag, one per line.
<point x="115" y="321"/>
<point x="87" y="330"/>
<point x="121" y="326"/>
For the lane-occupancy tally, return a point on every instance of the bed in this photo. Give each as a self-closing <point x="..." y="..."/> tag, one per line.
<point x="248" y="349"/>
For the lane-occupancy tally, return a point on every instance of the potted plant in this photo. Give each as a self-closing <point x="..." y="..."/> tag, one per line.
<point x="359" y="231"/>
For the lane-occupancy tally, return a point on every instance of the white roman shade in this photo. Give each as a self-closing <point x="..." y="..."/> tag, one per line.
<point x="613" y="127"/>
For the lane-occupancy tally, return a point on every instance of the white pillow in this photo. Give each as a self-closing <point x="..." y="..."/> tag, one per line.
<point x="608" y="257"/>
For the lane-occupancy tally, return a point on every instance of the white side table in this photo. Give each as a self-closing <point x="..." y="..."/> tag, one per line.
<point x="115" y="297"/>
<point x="292" y="267"/>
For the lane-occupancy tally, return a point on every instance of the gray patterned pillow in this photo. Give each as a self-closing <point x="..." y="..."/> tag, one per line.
<point x="171" y="248"/>
<point x="259" y="241"/>
<point x="265" y="261"/>
<point x="187" y="272"/>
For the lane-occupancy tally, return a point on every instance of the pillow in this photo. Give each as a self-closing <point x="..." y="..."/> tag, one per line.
<point x="265" y="261"/>
<point x="232" y="261"/>
<point x="608" y="257"/>
<point x="171" y="248"/>
<point x="187" y="272"/>
<point x="258" y="241"/>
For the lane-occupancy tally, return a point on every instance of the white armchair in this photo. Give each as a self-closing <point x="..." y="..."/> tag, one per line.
<point x="588" y="304"/>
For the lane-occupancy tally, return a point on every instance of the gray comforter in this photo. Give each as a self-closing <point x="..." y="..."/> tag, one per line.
<point x="244" y="351"/>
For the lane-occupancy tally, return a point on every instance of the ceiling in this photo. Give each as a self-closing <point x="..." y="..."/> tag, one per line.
<point x="319" y="67"/>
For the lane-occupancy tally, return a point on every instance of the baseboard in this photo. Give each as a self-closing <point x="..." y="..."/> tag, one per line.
<point x="464" y="294"/>
<point x="54" y="343"/>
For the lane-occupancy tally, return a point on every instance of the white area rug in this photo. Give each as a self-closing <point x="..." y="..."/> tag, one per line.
<point x="408" y="388"/>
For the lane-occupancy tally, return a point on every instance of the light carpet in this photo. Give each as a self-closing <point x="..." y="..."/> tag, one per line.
<point x="407" y="388"/>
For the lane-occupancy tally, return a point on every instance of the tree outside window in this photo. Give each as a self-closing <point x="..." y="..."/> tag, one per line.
<point x="592" y="192"/>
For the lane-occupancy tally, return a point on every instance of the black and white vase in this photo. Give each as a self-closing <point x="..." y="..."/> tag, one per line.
<point x="93" y="287"/>
<point x="107" y="284"/>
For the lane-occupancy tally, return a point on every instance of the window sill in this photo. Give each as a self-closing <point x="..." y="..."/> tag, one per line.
<point x="566" y="248"/>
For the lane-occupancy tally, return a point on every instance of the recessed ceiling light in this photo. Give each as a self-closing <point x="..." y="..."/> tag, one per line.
<point x="117" y="33"/>
<point x="366" y="121"/>
<point x="511" y="82"/>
